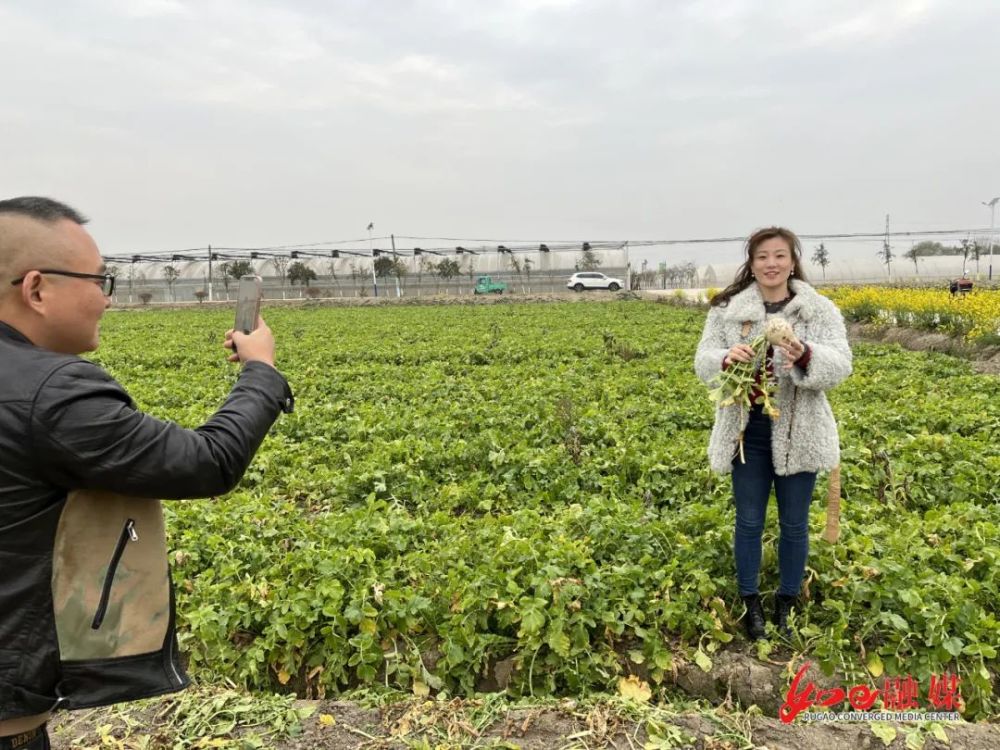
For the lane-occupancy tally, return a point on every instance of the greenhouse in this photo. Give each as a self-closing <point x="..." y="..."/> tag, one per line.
<point x="212" y="274"/>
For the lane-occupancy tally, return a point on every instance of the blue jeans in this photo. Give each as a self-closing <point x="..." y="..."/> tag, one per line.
<point x="751" y="489"/>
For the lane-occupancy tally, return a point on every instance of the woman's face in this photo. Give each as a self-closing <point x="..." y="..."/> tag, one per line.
<point x="772" y="263"/>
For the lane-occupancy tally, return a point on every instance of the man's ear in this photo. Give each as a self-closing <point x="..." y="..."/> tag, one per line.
<point x="31" y="290"/>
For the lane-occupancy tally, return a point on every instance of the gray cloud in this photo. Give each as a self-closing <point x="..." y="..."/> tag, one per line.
<point x="177" y="124"/>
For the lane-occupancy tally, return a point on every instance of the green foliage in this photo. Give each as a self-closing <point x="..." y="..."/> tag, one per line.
<point x="203" y="717"/>
<point x="588" y="260"/>
<point x="821" y="257"/>
<point x="438" y="511"/>
<point x="735" y="385"/>
<point x="237" y="269"/>
<point x="386" y="265"/>
<point x="300" y="273"/>
<point x="447" y="269"/>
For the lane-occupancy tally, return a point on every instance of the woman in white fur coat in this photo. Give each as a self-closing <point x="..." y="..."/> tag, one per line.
<point x="785" y="452"/>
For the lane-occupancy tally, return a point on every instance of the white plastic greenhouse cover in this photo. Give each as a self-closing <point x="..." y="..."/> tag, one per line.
<point x="483" y="262"/>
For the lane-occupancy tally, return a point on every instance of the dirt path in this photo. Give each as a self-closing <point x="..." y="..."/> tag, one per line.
<point x="440" y="725"/>
<point x="700" y="710"/>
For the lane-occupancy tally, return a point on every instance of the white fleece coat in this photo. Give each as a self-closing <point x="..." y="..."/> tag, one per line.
<point x="804" y="436"/>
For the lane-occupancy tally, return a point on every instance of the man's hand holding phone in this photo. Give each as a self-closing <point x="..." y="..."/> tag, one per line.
<point x="256" y="346"/>
<point x="250" y="338"/>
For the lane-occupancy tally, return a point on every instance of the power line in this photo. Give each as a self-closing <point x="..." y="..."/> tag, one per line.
<point x="880" y="235"/>
<point x="504" y="246"/>
<point x="306" y="244"/>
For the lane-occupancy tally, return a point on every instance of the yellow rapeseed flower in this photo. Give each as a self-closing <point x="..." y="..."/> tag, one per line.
<point x="971" y="315"/>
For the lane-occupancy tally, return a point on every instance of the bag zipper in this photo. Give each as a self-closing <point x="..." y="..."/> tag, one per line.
<point x="128" y="534"/>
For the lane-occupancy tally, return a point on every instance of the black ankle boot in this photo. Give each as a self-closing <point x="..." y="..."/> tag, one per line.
<point x="753" y="620"/>
<point x="782" y="606"/>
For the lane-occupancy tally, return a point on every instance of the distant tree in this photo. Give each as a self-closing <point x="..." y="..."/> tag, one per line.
<point x="386" y="265"/>
<point x="929" y="247"/>
<point x="234" y="270"/>
<point x="663" y="273"/>
<point x="145" y="296"/>
<point x="424" y="265"/>
<point x="970" y="248"/>
<point x="222" y="271"/>
<point x="300" y="273"/>
<point x="332" y="268"/>
<point x="645" y="279"/>
<point x="913" y="255"/>
<point x="967" y="249"/>
<point x="200" y="295"/>
<point x="690" y="272"/>
<point x="171" y="275"/>
<point x="977" y="250"/>
<point x="447" y="269"/>
<point x="515" y="266"/>
<point x="281" y="267"/>
<point x="588" y="261"/>
<point x="684" y="274"/>
<point x="527" y="264"/>
<point x="237" y="269"/>
<point x="131" y="280"/>
<point x="399" y="267"/>
<point x="821" y="257"/>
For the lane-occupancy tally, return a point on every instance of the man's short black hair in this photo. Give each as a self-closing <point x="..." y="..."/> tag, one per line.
<point x="42" y="209"/>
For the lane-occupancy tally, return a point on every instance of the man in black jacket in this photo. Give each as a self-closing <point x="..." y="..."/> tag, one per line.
<point x="86" y="605"/>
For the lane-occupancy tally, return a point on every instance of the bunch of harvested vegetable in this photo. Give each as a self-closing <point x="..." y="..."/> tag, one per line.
<point x="735" y="384"/>
<point x="779" y="331"/>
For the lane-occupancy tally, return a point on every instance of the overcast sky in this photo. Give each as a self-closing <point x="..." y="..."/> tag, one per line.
<point x="177" y="124"/>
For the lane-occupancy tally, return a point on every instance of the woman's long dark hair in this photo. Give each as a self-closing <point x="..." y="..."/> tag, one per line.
<point x="744" y="276"/>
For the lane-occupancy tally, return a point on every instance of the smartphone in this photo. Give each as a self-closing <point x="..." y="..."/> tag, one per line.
<point x="248" y="304"/>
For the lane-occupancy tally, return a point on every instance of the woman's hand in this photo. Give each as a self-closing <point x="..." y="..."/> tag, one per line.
<point x="793" y="352"/>
<point x="738" y="353"/>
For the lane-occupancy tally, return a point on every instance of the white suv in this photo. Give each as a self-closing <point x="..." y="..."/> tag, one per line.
<point x="593" y="280"/>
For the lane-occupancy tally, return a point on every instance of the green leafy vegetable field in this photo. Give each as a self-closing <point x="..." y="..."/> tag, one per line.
<point x="518" y="495"/>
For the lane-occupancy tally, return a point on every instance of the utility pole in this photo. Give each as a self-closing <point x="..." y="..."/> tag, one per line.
<point x="887" y="249"/>
<point x="371" y="252"/>
<point x="993" y="208"/>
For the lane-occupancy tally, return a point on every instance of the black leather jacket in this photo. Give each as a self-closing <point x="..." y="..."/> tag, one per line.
<point x="86" y="605"/>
